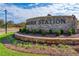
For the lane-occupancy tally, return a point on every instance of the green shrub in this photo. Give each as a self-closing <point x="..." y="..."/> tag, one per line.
<point x="34" y="31"/>
<point x="39" y="31"/>
<point x="50" y="31"/>
<point x="73" y="31"/>
<point x="20" y="30"/>
<point x="62" y="31"/>
<point x="63" y="46"/>
<point x="57" y="32"/>
<point x="27" y="31"/>
<point x="23" y="30"/>
<point x="43" y="33"/>
<point x="69" y="32"/>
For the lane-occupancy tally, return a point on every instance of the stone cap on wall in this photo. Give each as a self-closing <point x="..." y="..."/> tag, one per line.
<point x="49" y="16"/>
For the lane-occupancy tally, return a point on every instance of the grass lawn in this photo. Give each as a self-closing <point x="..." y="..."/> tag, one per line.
<point x="7" y="52"/>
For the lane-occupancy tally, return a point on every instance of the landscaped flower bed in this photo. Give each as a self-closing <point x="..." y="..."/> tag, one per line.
<point x="30" y="47"/>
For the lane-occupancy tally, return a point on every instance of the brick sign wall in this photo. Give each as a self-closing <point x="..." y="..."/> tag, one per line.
<point x="52" y="22"/>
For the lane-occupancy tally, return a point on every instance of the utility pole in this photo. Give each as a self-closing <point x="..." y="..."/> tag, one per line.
<point x="5" y="21"/>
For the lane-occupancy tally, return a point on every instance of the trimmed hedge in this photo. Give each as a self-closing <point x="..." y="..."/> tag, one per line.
<point x="56" y="32"/>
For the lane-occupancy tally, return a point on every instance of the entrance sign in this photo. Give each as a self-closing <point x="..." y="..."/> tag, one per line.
<point x="52" y="22"/>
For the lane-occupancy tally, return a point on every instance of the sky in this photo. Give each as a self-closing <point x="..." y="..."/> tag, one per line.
<point x="20" y="12"/>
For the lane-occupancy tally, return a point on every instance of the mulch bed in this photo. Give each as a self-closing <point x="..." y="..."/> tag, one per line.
<point x="49" y="51"/>
<point x="32" y="50"/>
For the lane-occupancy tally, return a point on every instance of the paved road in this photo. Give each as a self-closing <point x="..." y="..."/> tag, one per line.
<point x="9" y="30"/>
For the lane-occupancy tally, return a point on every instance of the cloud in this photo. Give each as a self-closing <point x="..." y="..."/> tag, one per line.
<point x="21" y="14"/>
